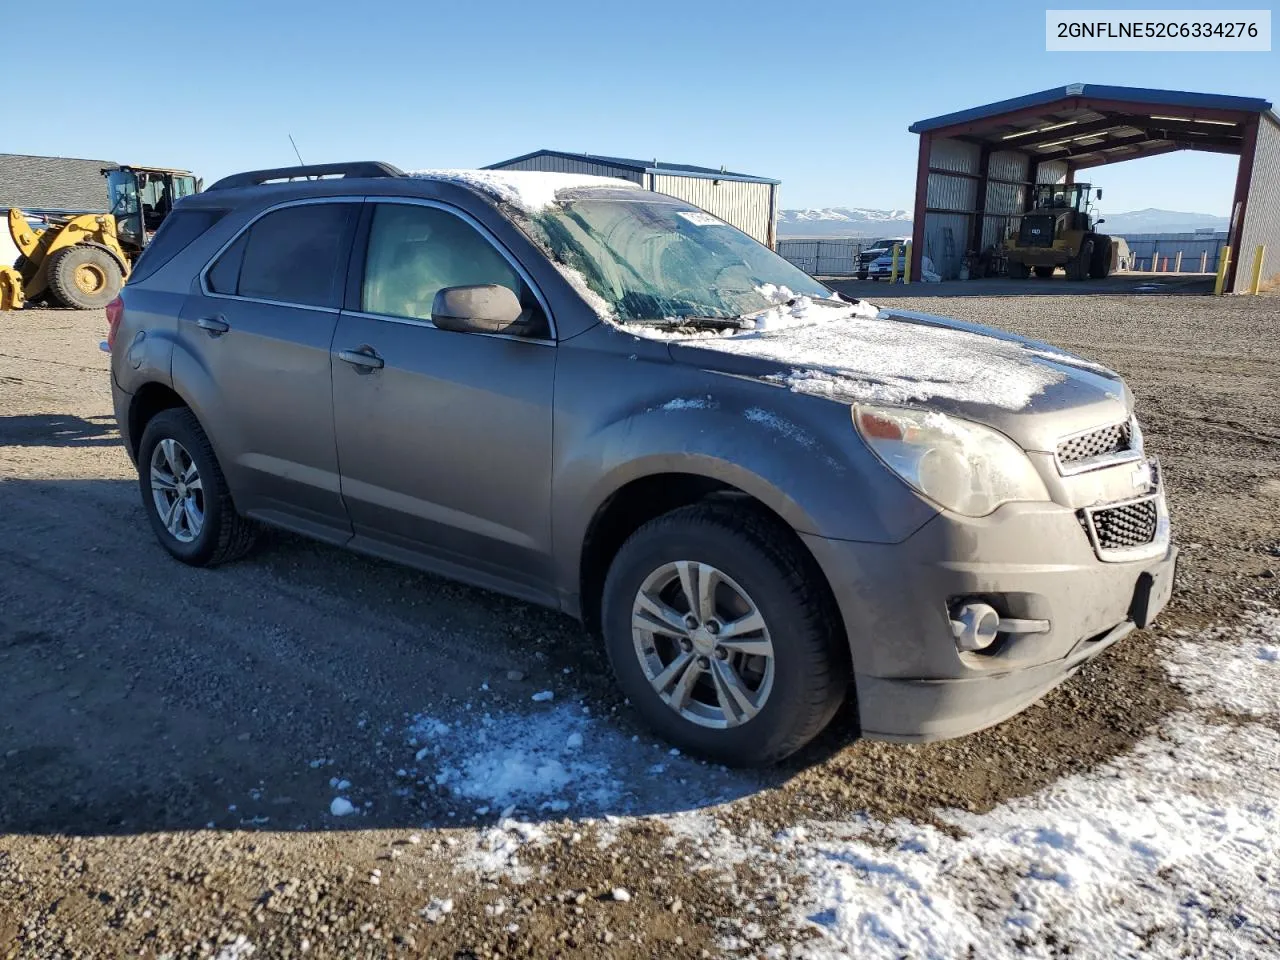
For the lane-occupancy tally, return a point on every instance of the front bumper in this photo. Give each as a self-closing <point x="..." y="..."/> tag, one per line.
<point x="1031" y="561"/>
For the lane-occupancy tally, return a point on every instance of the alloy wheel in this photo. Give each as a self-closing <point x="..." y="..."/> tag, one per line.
<point x="703" y="644"/>
<point x="176" y="490"/>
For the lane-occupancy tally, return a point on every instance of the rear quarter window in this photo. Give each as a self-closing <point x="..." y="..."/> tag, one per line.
<point x="177" y="232"/>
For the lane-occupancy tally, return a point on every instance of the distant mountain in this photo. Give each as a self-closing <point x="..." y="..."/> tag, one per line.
<point x="1161" y="221"/>
<point x="866" y="222"/>
<point x="844" y="222"/>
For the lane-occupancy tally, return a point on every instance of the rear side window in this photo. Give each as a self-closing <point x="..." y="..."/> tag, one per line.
<point x="295" y="255"/>
<point x="175" y="235"/>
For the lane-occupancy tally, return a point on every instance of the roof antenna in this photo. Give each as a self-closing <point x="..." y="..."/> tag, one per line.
<point x="301" y="162"/>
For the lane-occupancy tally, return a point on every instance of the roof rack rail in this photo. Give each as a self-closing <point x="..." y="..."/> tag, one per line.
<point x="358" y="168"/>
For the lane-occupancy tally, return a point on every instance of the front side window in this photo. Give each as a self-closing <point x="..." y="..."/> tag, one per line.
<point x="417" y="251"/>
<point x="652" y="258"/>
<point x="295" y="255"/>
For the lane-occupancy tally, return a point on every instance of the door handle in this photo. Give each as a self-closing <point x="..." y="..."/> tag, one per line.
<point x="365" y="358"/>
<point x="215" y="326"/>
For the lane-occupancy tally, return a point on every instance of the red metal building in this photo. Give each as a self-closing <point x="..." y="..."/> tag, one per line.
<point x="976" y="166"/>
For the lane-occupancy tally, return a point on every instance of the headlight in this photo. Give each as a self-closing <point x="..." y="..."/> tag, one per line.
<point x="962" y="466"/>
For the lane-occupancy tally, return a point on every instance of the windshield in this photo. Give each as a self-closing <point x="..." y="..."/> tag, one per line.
<point x="651" y="259"/>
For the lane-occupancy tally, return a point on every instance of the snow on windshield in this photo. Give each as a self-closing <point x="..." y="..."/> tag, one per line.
<point x="530" y="191"/>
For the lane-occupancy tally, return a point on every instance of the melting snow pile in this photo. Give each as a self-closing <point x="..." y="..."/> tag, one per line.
<point x="528" y="190"/>
<point x="501" y="760"/>
<point x="1173" y="849"/>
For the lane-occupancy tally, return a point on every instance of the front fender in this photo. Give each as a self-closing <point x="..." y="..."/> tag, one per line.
<point x="799" y="455"/>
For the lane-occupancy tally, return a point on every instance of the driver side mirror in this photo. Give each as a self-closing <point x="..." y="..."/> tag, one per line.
<point x="480" y="308"/>
<point x="1100" y="221"/>
<point x="1098" y="194"/>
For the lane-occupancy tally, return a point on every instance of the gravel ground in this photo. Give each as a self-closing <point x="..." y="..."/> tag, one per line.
<point x="171" y="740"/>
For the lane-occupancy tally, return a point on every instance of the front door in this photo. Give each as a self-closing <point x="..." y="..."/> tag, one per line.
<point x="255" y="344"/>
<point x="444" y="438"/>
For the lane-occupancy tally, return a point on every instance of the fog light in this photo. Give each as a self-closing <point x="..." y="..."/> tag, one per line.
<point x="975" y="626"/>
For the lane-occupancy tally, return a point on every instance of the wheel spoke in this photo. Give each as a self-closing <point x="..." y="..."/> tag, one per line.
<point x="161" y="480"/>
<point x="689" y="583"/>
<point x="673" y="672"/>
<point x="173" y="516"/>
<point x="751" y="623"/>
<point x="708" y="580"/>
<point x="193" y="518"/>
<point x="189" y="475"/>
<point x="655" y="615"/>
<point x="684" y="685"/>
<point x="196" y="484"/>
<point x="735" y="699"/>
<point x="171" y="456"/>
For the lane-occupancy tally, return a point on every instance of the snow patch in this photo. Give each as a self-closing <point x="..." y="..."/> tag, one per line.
<point x="780" y="425"/>
<point x="1171" y="849"/>
<point x="341" y="807"/>
<point x="535" y="761"/>
<point x="1240" y="674"/>
<point x="530" y="191"/>
<point x="857" y="358"/>
<point x="687" y="403"/>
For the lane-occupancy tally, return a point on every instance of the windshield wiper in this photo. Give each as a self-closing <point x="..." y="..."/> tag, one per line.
<point x="698" y="323"/>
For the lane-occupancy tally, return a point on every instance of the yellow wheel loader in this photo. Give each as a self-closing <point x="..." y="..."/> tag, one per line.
<point x="82" y="260"/>
<point x="1059" y="231"/>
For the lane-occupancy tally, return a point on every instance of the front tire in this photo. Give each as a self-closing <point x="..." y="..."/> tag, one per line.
<point x="1018" y="271"/>
<point x="185" y="494"/>
<point x="84" y="277"/>
<point x="754" y="665"/>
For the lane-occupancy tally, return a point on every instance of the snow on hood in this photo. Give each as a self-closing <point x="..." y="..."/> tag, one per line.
<point x="885" y="359"/>
<point x="528" y="190"/>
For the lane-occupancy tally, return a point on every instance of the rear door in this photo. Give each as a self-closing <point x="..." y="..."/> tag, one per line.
<point x="256" y="342"/>
<point x="444" y="438"/>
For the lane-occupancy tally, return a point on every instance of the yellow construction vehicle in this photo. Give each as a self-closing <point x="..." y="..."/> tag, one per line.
<point x="1060" y="231"/>
<point x="82" y="260"/>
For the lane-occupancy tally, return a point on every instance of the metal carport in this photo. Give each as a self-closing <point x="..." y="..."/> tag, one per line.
<point x="975" y="166"/>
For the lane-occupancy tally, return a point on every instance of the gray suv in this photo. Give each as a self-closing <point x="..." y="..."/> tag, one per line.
<point x="765" y="498"/>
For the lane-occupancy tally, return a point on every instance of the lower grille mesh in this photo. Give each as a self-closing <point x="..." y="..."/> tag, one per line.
<point x="1130" y="525"/>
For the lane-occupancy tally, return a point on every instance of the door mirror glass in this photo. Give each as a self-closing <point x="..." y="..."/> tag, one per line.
<point x="477" y="308"/>
<point x="1098" y="193"/>
<point x="1101" y="221"/>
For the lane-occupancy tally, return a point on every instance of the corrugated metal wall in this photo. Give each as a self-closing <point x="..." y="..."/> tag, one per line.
<point x="1262" y="209"/>
<point x="946" y="234"/>
<point x="748" y="206"/>
<point x="1006" y="199"/>
<point x="1055" y="171"/>
<point x="554" y="164"/>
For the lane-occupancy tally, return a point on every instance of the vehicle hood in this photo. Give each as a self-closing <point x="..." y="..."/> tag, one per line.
<point x="1031" y="391"/>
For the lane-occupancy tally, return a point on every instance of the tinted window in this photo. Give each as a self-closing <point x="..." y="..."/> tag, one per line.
<point x="174" y="236"/>
<point x="224" y="276"/>
<point x="415" y="251"/>
<point x="294" y="255"/>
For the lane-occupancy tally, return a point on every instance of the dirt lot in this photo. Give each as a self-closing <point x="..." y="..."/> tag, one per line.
<point x="172" y="740"/>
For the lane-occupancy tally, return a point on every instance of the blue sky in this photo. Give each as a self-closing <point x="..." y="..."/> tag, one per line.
<point x="817" y="94"/>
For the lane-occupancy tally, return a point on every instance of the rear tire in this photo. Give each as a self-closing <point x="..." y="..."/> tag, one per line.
<point x="199" y="526"/>
<point x="1018" y="271"/>
<point x="84" y="277"/>
<point x="793" y="691"/>
<point x="1044" y="272"/>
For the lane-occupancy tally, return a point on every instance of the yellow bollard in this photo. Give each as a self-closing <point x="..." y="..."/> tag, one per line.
<point x="1259" y="254"/>
<point x="1224" y="260"/>
<point x="906" y="264"/>
<point x="893" y="272"/>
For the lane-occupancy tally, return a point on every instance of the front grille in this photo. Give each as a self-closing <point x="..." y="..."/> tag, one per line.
<point x="1096" y="443"/>
<point x="1128" y="525"/>
<point x="1035" y="232"/>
